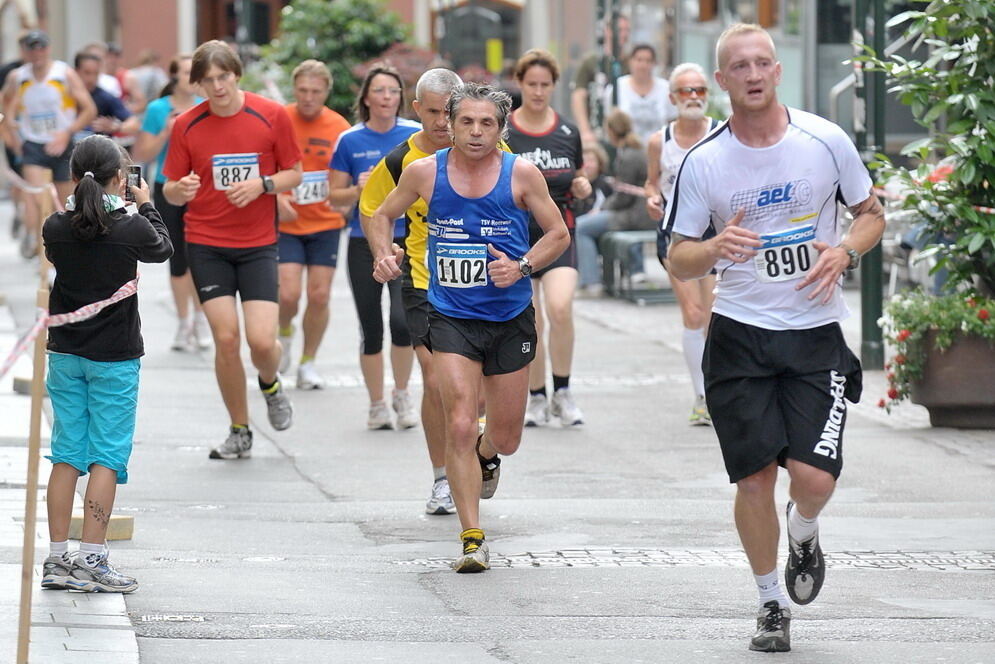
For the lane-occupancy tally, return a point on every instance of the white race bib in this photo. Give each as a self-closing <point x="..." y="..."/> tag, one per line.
<point x="312" y="189"/>
<point x="461" y="265"/>
<point x="231" y="168"/>
<point x="42" y="124"/>
<point x="786" y="255"/>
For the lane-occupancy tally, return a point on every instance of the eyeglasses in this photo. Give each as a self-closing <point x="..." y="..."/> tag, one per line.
<point x="687" y="91"/>
<point x="386" y="91"/>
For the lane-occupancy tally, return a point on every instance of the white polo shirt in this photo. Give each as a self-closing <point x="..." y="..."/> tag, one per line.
<point x="789" y="191"/>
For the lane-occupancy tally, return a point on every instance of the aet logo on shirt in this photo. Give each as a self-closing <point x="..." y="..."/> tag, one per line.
<point x="797" y="191"/>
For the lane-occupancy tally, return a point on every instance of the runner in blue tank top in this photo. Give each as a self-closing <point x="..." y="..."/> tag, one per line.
<point x="483" y="323"/>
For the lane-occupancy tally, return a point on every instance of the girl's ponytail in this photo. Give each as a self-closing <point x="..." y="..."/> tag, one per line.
<point x="95" y="162"/>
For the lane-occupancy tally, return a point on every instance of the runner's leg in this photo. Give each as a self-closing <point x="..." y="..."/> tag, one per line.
<point x="223" y="317"/>
<point x="459" y="381"/>
<point x="317" y="312"/>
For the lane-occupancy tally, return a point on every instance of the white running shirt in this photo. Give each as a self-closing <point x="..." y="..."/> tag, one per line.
<point x="789" y="191"/>
<point x="671" y="156"/>
<point x="46" y="106"/>
<point x="648" y="113"/>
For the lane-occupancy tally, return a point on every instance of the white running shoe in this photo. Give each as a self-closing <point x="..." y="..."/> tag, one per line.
<point x="441" y="501"/>
<point x="699" y="413"/>
<point x="404" y="407"/>
<point x="563" y="407"/>
<point x="537" y="411"/>
<point x="182" y="339"/>
<point x="379" y="417"/>
<point x="279" y="410"/>
<point x="308" y="377"/>
<point x="201" y="333"/>
<point x="285" y="345"/>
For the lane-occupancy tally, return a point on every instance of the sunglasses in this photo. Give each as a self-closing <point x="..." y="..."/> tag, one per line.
<point x="687" y="91"/>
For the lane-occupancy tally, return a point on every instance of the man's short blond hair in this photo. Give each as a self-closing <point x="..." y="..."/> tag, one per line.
<point x="314" y="68"/>
<point x="736" y="30"/>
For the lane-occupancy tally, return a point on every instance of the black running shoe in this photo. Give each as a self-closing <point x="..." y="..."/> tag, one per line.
<point x="773" y="629"/>
<point x="806" y="567"/>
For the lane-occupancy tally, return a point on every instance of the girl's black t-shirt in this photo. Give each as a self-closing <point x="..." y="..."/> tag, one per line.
<point x="557" y="153"/>
<point x="87" y="271"/>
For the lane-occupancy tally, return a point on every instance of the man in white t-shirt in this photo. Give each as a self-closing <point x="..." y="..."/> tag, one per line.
<point x="776" y="366"/>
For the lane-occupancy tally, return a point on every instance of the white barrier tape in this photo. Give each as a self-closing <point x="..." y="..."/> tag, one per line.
<point x="45" y="320"/>
<point x="23" y="185"/>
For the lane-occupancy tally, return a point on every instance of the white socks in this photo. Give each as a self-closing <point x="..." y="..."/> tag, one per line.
<point x="58" y="548"/>
<point x="801" y="528"/>
<point x="694" y="350"/>
<point x="91" y="553"/>
<point x="769" y="587"/>
<point x="439" y="472"/>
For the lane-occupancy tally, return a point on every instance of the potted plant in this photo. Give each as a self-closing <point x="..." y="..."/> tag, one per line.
<point x="952" y="94"/>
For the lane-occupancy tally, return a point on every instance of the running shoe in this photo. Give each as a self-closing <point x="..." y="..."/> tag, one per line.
<point x="29" y="244"/>
<point x="806" y="567"/>
<point x="101" y="577"/>
<point x="490" y="473"/>
<point x="441" y="501"/>
<point x="699" y="414"/>
<point x="286" y="343"/>
<point x="404" y="407"/>
<point x="278" y="407"/>
<point x="238" y="445"/>
<point x="379" y="417"/>
<point x="537" y="411"/>
<point x="773" y="629"/>
<point x="562" y="406"/>
<point x="182" y="339"/>
<point x="201" y="333"/>
<point x="308" y="377"/>
<point x="475" y="557"/>
<point x="55" y="571"/>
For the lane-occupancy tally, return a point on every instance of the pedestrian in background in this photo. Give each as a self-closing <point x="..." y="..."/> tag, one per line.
<point x="95" y="246"/>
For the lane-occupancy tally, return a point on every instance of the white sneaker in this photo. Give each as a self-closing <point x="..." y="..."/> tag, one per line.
<point x="441" y="501"/>
<point x="182" y="339"/>
<point x="379" y="417"/>
<point x="563" y="406"/>
<point x="201" y="332"/>
<point x="537" y="412"/>
<point x="404" y="407"/>
<point x="308" y="377"/>
<point x="285" y="346"/>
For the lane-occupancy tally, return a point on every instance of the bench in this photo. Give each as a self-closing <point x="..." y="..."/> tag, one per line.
<point x="614" y="247"/>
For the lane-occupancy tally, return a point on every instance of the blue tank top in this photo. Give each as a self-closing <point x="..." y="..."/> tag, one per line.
<point x="459" y="230"/>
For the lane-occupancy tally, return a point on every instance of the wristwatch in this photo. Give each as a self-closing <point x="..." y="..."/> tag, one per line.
<point x="268" y="185"/>
<point x="852" y="253"/>
<point x="525" y="266"/>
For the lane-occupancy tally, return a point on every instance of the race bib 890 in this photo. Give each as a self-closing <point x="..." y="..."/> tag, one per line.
<point x="786" y="255"/>
<point x="232" y="168"/>
<point x="461" y="265"/>
<point x="312" y="189"/>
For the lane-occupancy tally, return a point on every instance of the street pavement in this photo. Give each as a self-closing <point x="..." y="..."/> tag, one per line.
<point x="610" y="542"/>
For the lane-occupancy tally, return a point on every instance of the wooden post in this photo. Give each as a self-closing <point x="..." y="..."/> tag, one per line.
<point x="34" y="446"/>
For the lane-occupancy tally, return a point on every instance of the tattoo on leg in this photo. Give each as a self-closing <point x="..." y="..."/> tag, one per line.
<point x="98" y="512"/>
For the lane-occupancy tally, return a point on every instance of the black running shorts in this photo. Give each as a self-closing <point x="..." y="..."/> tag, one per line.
<point x="251" y="272"/>
<point x="416" y="310"/>
<point x="501" y="347"/>
<point x="778" y="394"/>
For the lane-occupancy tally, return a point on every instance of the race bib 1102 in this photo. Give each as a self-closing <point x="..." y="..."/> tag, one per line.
<point x="786" y="255"/>
<point x="461" y="265"/>
<point x="232" y="168"/>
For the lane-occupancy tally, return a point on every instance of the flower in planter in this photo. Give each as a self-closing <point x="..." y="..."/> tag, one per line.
<point x="908" y="317"/>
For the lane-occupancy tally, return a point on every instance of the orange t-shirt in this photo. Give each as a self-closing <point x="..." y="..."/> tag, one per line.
<point x="316" y="139"/>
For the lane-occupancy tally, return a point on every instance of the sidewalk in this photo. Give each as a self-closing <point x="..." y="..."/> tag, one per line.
<point x="611" y="543"/>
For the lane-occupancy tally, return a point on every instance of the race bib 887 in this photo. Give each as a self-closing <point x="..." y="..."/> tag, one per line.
<point x="786" y="255"/>
<point x="229" y="169"/>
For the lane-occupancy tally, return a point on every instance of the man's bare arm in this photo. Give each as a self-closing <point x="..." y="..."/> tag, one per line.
<point x="535" y="195"/>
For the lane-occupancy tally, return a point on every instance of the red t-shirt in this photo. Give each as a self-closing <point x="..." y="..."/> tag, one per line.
<point x="258" y="140"/>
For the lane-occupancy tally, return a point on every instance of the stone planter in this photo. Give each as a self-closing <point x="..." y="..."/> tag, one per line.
<point x="958" y="384"/>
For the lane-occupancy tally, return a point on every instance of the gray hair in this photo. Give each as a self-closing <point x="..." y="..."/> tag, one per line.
<point x="440" y="81"/>
<point x="480" y="92"/>
<point x="685" y="68"/>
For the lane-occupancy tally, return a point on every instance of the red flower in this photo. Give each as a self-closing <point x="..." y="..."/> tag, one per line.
<point x="983" y="314"/>
<point x="891" y="377"/>
<point x="881" y="403"/>
<point x="899" y="359"/>
<point x="892" y="393"/>
<point x="903" y="335"/>
<point x="887" y="365"/>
